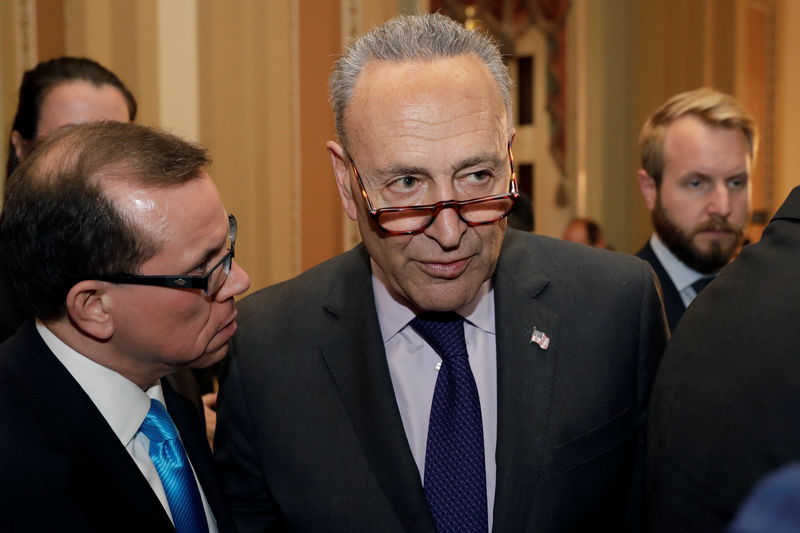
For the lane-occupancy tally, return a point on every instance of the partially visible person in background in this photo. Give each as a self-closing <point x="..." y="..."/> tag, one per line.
<point x="697" y="151"/>
<point x="56" y="93"/>
<point x="585" y="231"/>
<point x="522" y="216"/>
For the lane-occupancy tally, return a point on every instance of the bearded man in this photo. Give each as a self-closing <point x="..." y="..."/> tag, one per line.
<point x="697" y="152"/>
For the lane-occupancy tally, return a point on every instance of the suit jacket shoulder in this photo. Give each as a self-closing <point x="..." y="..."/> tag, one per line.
<point x="742" y="331"/>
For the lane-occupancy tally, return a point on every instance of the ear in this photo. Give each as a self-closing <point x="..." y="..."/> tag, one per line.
<point x="88" y="305"/>
<point x="20" y="145"/>
<point x="340" y="170"/>
<point x="648" y="187"/>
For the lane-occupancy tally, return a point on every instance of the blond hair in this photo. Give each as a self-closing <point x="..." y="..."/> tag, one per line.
<point x="709" y="105"/>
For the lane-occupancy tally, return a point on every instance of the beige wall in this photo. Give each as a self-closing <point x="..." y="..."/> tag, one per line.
<point x="787" y="126"/>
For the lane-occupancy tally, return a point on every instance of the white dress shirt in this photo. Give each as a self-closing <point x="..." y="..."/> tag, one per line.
<point x="124" y="406"/>
<point x="681" y="275"/>
<point x="414" y="365"/>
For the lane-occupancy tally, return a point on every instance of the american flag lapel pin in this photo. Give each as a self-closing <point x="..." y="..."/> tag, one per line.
<point x="540" y="338"/>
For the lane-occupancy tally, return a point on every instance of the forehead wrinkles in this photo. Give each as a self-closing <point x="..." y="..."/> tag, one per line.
<point x="427" y="102"/>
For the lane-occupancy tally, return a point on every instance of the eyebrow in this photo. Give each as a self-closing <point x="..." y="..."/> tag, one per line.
<point x="401" y="170"/>
<point x="703" y="175"/>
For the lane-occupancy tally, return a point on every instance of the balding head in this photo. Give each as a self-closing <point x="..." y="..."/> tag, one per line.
<point x="60" y="223"/>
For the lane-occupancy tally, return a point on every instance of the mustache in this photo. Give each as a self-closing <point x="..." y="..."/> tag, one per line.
<point x="716" y="224"/>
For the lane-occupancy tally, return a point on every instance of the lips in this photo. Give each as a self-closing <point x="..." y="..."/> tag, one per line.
<point x="444" y="270"/>
<point x="229" y="327"/>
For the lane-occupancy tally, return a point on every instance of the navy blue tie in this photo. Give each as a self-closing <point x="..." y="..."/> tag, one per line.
<point x="701" y="283"/>
<point x="174" y="469"/>
<point x="455" y="469"/>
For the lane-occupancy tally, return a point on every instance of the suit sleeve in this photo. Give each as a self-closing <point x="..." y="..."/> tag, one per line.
<point x="236" y="454"/>
<point x="653" y="335"/>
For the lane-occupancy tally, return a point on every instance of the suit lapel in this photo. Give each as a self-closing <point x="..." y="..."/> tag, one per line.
<point x="673" y="304"/>
<point x="525" y="375"/>
<point x="354" y="352"/>
<point x="101" y="477"/>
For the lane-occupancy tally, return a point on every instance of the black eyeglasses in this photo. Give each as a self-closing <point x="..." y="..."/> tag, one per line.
<point x="209" y="283"/>
<point x="414" y="219"/>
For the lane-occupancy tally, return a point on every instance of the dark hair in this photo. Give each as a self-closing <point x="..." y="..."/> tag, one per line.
<point x="59" y="226"/>
<point x="593" y="231"/>
<point x="45" y="76"/>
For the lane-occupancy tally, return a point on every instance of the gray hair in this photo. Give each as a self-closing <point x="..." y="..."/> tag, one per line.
<point x="412" y="38"/>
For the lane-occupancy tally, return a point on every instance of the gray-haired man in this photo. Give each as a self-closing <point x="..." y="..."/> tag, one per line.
<point x="446" y="374"/>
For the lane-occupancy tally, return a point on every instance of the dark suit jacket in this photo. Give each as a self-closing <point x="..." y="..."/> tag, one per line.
<point x="63" y="468"/>
<point x="726" y="404"/>
<point x="310" y="437"/>
<point x="11" y="316"/>
<point x="673" y="304"/>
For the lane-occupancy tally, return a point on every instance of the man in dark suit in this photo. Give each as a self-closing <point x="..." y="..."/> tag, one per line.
<point x="117" y="242"/>
<point x="332" y="416"/>
<point x="725" y="404"/>
<point x="697" y="152"/>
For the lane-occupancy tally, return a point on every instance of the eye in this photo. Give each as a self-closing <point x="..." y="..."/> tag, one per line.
<point x="404" y="183"/>
<point x="737" y="183"/>
<point x="479" y="176"/>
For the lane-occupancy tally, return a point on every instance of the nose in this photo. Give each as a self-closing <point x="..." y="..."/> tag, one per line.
<point x="235" y="284"/>
<point x="719" y="202"/>
<point x="447" y="229"/>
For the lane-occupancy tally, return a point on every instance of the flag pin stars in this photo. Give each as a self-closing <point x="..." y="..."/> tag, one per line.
<point x="540" y="338"/>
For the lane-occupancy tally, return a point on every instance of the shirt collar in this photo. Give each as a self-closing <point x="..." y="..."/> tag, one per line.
<point x="394" y="315"/>
<point x="681" y="275"/>
<point x="121" y="402"/>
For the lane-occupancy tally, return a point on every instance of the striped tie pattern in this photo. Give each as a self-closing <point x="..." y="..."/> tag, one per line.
<point x="174" y="469"/>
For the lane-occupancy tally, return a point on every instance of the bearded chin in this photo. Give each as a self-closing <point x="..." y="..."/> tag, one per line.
<point x="682" y="245"/>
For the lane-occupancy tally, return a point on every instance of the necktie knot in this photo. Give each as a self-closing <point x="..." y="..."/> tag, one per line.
<point x="444" y="332"/>
<point x="157" y="424"/>
<point x="701" y="283"/>
<point x="172" y="465"/>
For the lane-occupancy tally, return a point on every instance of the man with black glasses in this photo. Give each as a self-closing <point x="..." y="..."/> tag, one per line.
<point x="118" y="243"/>
<point x="446" y="374"/>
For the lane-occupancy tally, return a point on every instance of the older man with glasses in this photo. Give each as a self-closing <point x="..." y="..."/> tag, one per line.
<point x="117" y="241"/>
<point x="447" y="374"/>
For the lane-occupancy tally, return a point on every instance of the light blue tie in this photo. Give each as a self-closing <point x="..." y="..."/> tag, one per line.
<point x="174" y="469"/>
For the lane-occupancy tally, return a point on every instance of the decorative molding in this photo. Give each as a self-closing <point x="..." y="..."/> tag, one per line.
<point x="297" y="162"/>
<point x="26" y="34"/>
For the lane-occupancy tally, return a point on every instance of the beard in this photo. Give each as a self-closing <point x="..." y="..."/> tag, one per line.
<point x="681" y="243"/>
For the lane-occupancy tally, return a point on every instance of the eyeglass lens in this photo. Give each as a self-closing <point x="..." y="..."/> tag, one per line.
<point x="481" y="212"/>
<point x="219" y="273"/>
